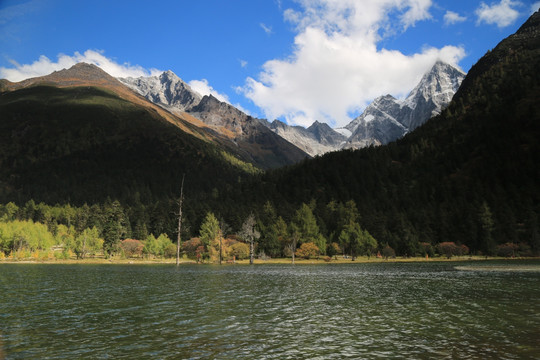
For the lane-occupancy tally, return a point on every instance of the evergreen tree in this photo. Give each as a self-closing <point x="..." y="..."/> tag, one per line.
<point x="486" y="229"/>
<point x="210" y="234"/>
<point x="307" y="228"/>
<point x="114" y="227"/>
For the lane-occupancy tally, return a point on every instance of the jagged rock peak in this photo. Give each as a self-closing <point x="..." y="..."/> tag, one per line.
<point x="432" y="94"/>
<point x="166" y="90"/>
<point x="317" y="125"/>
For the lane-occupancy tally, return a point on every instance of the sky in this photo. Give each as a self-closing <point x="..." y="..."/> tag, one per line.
<point x="293" y="60"/>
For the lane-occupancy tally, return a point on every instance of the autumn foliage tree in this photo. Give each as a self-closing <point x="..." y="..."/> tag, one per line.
<point x="240" y="250"/>
<point x="132" y="247"/>
<point x="308" y="250"/>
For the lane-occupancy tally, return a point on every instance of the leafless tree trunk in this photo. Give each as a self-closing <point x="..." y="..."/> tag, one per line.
<point x="292" y="246"/>
<point x="250" y="233"/>
<point x="220" y="253"/>
<point x="224" y="228"/>
<point x="180" y="221"/>
<point x="83" y="252"/>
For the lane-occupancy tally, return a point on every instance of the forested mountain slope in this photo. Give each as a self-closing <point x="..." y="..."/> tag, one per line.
<point x="470" y="175"/>
<point x="85" y="145"/>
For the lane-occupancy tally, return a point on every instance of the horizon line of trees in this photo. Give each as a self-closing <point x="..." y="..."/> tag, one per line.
<point x="109" y="230"/>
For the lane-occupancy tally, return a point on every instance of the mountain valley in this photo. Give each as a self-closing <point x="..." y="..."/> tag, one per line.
<point x="468" y="175"/>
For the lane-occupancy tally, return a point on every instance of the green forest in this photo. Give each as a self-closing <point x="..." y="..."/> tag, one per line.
<point x="43" y="232"/>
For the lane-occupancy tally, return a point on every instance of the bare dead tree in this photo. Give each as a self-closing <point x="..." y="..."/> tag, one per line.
<point x="180" y="221"/>
<point x="251" y="234"/>
<point x="224" y="228"/>
<point x="295" y="236"/>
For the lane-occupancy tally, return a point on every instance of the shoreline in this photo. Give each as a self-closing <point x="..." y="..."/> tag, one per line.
<point x="277" y="261"/>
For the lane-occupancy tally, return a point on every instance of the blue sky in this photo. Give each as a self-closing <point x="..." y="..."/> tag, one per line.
<point x="296" y="60"/>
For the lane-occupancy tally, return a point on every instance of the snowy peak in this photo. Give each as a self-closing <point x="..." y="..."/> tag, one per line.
<point x="166" y="90"/>
<point x="387" y="119"/>
<point x="384" y="120"/>
<point x="433" y="93"/>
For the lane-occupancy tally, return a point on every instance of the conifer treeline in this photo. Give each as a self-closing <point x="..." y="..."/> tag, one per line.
<point x="311" y="230"/>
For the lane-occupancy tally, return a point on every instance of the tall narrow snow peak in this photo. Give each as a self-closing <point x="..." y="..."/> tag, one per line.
<point x="387" y="119"/>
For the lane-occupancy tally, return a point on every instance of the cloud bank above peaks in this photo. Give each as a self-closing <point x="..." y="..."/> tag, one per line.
<point x="44" y="66"/>
<point x="336" y="68"/>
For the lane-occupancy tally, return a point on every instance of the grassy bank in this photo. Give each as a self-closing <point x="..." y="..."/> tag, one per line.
<point x="339" y="260"/>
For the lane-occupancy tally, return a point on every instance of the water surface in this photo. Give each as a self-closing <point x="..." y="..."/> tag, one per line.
<point x="384" y="310"/>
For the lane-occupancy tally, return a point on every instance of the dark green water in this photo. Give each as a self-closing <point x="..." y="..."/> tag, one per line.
<point x="387" y="310"/>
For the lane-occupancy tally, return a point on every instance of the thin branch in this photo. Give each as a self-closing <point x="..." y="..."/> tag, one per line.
<point x="180" y="221"/>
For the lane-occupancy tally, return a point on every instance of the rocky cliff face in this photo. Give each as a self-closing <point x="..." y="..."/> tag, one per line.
<point x="219" y="115"/>
<point x="377" y="125"/>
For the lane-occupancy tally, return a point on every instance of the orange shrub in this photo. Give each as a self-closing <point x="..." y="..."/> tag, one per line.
<point x="132" y="247"/>
<point x="308" y="250"/>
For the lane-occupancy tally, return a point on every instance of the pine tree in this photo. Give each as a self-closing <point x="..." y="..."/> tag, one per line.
<point x="307" y="228"/>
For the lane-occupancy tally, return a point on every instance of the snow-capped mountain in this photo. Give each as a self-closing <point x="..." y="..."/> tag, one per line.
<point x="387" y="118"/>
<point x="166" y="90"/>
<point x="384" y="120"/>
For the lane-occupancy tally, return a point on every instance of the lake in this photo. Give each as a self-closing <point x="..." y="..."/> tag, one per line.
<point x="380" y="310"/>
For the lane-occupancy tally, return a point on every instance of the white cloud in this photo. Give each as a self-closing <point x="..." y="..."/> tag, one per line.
<point x="418" y="10"/>
<point x="267" y="29"/>
<point x="336" y="68"/>
<point x="535" y="7"/>
<point x="204" y="88"/>
<point x="502" y="14"/>
<point x="243" y="63"/>
<point x="45" y="66"/>
<point x="451" y="18"/>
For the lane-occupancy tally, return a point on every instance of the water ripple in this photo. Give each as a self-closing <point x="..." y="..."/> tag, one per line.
<point x="267" y="312"/>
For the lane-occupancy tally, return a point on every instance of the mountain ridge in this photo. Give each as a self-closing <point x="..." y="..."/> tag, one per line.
<point x="263" y="150"/>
